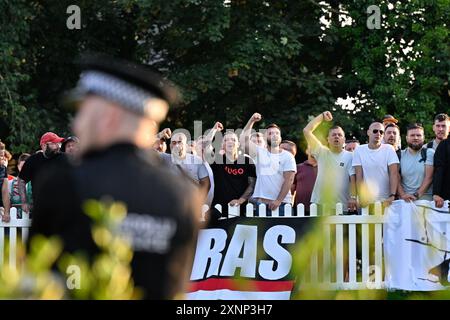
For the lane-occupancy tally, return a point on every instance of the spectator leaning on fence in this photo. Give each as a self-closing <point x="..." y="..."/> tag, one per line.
<point x="416" y="167"/>
<point x="5" y="157"/>
<point x="275" y="168"/>
<point x="10" y="190"/>
<point x="335" y="175"/>
<point x="441" y="128"/>
<point x="441" y="177"/>
<point x="376" y="168"/>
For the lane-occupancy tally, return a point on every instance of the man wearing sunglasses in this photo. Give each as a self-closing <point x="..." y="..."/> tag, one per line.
<point x="376" y="167"/>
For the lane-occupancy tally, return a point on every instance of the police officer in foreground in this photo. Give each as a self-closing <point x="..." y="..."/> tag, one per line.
<point x="119" y="108"/>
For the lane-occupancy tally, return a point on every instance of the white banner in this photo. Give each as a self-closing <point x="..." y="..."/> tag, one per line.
<point x="416" y="246"/>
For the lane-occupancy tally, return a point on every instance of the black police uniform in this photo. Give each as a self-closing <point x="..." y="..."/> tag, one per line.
<point x="127" y="174"/>
<point x="160" y="221"/>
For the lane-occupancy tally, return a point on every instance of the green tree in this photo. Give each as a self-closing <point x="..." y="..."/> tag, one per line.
<point x="288" y="60"/>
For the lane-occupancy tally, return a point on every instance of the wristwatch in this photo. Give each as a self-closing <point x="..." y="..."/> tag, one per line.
<point x="392" y="195"/>
<point x="416" y="194"/>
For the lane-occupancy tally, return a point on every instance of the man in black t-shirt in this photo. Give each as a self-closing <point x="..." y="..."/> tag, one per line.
<point x="234" y="176"/>
<point x="50" y="152"/>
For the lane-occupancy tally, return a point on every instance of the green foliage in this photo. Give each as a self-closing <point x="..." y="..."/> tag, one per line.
<point x="107" y="277"/>
<point x="231" y="59"/>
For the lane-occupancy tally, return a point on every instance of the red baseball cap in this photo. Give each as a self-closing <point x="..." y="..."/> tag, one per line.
<point x="50" y="137"/>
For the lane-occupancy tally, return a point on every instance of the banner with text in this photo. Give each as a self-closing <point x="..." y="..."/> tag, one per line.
<point x="417" y="246"/>
<point x="247" y="258"/>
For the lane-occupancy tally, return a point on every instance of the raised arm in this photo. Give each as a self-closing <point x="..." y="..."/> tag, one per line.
<point x="248" y="146"/>
<point x="208" y="149"/>
<point x="166" y="133"/>
<point x="312" y="125"/>
<point x="212" y="132"/>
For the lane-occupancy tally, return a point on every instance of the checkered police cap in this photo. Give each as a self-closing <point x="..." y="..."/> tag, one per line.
<point x="131" y="86"/>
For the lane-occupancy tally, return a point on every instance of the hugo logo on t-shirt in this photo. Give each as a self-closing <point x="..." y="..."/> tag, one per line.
<point x="235" y="172"/>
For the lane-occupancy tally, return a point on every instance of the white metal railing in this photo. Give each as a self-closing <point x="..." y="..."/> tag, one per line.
<point x="346" y="274"/>
<point x="12" y="232"/>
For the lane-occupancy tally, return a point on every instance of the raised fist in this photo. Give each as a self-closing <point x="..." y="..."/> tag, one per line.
<point x="256" y="117"/>
<point x="166" y="133"/>
<point x="218" y="126"/>
<point x="327" y="116"/>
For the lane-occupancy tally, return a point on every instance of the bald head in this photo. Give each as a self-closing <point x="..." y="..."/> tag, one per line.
<point x="375" y="133"/>
<point x="100" y="122"/>
<point x="178" y="145"/>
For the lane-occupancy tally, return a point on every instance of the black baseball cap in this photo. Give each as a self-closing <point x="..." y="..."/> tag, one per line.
<point x="68" y="139"/>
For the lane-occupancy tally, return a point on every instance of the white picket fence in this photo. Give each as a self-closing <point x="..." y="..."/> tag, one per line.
<point x="11" y="233"/>
<point x="359" y="269"/>
<point x="343" y="277"/>
<point x="364" y="243"/>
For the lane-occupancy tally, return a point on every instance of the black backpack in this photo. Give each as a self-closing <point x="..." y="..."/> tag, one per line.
<point x="423" y="154"/>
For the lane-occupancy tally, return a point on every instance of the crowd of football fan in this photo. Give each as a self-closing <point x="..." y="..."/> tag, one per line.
<point x="258" y="166"/>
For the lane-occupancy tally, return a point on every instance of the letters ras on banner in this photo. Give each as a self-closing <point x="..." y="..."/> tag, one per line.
<point x="247" y="258"/>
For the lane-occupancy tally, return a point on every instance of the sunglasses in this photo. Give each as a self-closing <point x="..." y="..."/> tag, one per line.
<point x="375" y="131"/>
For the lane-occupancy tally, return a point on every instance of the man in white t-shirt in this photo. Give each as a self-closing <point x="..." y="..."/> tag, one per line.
<point x="335" y="180"/>
<point x="192" y="167"/>
<point x="275" y="167"/>
<point x="376" y="167"/>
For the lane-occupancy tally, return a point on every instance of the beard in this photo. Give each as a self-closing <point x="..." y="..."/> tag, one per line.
<point x="271" y="143"/>
<point x="415" y="146"/>
<point x="49" y="153"/>
<point x="391" y="141"/>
